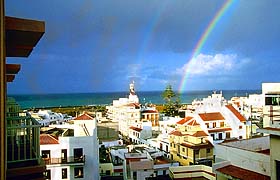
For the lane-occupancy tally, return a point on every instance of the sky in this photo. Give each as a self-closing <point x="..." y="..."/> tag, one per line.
<point x="103" y="45"/>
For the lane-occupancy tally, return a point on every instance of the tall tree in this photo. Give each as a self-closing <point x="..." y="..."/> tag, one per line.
<point x="168" y="94"/>
<point x="172" y="101"/>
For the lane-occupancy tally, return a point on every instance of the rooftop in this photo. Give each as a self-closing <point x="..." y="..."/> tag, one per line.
<point x="259" y="144"/>
<point x="136" y="129"/>
<point x="183" y="121"/>
<point x="197" y="146"/>
<point x="240" y="173"/>
<point x="270" y="130"/>
<point x="199" y="134"/>
<point x="48" y="139"/>
<point x="135" y="155"/>
<point x="212" y="116"/>
<point x="193" y="122"/>
<point x="84" y="116"/>
<point x="236" y="113"/>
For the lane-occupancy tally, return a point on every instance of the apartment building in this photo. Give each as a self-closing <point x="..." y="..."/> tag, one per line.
<point x="271" y="123"/>
<point x="189" y="144"/>
<point x="70" y="151"/>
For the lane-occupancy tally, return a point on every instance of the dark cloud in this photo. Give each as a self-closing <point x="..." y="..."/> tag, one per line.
<point x="89" y="45"/>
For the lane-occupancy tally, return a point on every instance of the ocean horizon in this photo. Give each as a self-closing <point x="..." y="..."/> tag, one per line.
<point x="104" y="98"/>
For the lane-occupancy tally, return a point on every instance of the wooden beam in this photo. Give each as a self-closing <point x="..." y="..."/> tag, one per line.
<point x="10" y="77"/>
<point x="12" y="68"/>
<point x="22" y="35"/>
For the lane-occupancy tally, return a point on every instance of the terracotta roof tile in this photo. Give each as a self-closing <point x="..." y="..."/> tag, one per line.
<point x="236" y="113"/>
<point x="176" y="133"/>
<point x="48" y="139"/>
<point x="219" y="130"/>
<point x="199" y="134"/>
<point x="183" y="121"/>
<point x="84" y="116"/>
<point x="136" y="129"/>
<point x="212" y="116"/>
<point x="240" y="173"/>
<point x="193" y="122"/>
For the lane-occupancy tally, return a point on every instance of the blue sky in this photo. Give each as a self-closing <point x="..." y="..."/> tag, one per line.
<point x="102" y="45"/>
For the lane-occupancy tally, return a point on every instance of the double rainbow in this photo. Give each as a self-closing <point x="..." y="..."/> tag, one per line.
<point x="223" y="9"/>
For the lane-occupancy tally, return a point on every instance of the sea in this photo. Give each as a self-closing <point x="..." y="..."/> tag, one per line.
<point x="27" y="101"/>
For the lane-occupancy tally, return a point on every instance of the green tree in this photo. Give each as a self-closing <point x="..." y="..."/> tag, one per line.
<point x="168" y="94"/>
<point x="172" y="101"/>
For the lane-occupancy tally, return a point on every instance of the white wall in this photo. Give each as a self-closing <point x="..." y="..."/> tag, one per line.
<point x="90" y="150"/>
<point x="250" y="160"/>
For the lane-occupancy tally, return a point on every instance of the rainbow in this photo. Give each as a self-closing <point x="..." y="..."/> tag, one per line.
<point x="212" y="24"/>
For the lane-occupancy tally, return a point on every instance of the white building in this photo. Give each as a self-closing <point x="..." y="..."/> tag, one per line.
<point x="125" y="111"/>
<point x="271" y="100"/>
<point x="219" y="118"/>
<point x="47" y="117"/>
<point x="136" y="123"/>
<point x="140" y="162"/>
<point x="245" y="159"/>
<point x="70" y="151"/>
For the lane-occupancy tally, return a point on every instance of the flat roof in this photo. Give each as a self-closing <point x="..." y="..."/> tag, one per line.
<point x="259" y="144"/>
<point x="240" y="173"/>
<point x="270" y="130"/>
<point x="135" y="155"/>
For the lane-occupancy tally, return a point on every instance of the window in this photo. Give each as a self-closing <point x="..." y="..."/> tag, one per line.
<point x="108" y="172"/>
<point x="166" y="148"/>
<point x="222" y="124"/>
<point x="208" y="150"/>
<point x="227" y="134"/>
<point x="46" y="154"/>
<point x="47" y="174"/>
<point x="183" y="149"/>
<point x="64" y="155"/>
<point x="270" y="100"/>
<point x="64" y="173"/>
<point x="207" y="124"/>
<point x="196" y="151"/>
<point x="79" y="172"/>
<point x="214" y="124"/>
<point x="164" y="172"/>
<point x="78" y="154"/>
<point x="277" y="169"/>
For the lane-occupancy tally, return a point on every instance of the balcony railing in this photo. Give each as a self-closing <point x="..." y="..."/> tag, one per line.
<point x="68" y="160"/>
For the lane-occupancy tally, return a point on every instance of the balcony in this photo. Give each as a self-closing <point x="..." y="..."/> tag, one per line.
<point x="71" y="160"/>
